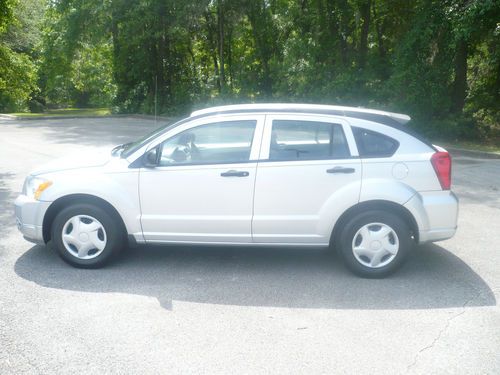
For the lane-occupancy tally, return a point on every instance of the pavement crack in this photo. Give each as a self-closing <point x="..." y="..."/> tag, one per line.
<point x="443" y="330"/>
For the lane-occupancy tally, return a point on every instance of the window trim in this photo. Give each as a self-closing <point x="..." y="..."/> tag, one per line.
<point x="386" y="155"/>
<point x="214" y="165"/>
<point x="169" y="133"/>
<point x="160" y="146"/>
<point x="266" y="139"/>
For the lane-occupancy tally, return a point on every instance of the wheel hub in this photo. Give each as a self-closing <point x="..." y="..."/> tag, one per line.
<point x="84" y="237"/>
<point x="375" y="245"/>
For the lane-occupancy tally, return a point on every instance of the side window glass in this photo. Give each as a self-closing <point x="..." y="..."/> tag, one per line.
<point x="307" y="140"/>
<point x="374" y="145"/>
<point x="216" y="143"/>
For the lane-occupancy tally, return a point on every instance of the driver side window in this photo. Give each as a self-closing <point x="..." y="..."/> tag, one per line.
<point x="215" y="143"/>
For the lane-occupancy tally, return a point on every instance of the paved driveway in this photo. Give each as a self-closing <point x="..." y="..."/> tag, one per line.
<point x="233" y="310"/>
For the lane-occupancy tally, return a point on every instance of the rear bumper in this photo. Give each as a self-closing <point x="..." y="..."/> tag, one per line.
<point x="29" y="218"/>
<point x="436" y="214"/>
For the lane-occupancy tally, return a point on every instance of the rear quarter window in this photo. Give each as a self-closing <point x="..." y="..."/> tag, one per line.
<point x="373" y="144"/>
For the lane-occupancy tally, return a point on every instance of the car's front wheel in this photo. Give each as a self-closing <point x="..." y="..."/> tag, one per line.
<point x="86" y="235"/>
<point x="375" y="244"/>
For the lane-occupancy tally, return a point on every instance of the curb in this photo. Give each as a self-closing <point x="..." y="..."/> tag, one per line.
<point x="473" y="153"/>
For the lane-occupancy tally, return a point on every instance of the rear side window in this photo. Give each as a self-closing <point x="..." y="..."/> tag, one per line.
<point x="374" y="145"/>
<point x="307" y="140"/>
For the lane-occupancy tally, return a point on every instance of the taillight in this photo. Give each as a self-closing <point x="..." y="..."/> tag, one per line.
<point x="441" y="161"/>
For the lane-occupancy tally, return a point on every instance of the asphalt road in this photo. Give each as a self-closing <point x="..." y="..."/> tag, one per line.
<point x="239" y="311"/>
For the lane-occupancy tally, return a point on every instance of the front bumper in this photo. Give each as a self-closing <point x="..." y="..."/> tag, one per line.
<point x="436" y="214"/>
<point x="29" y="218"/>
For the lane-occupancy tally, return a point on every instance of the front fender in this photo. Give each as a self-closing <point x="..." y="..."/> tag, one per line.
<point x="118" y="189"/>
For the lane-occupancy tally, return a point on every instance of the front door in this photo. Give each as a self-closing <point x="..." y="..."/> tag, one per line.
<point x="202" y="189"/>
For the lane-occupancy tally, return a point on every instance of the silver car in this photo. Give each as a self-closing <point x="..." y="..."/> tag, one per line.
<point x="262" y="175"/>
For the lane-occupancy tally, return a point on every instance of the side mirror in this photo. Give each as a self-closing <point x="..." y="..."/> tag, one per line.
<point x="150" y="158"/>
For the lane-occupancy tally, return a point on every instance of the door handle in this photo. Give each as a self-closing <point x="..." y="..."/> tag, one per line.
<point x="235" y="174"/>
<point x="340" y="170"/>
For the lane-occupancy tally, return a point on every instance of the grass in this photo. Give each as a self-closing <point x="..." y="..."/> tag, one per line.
<point x="83" y="112"/>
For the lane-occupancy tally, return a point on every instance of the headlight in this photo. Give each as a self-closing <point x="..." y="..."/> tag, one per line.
<point x="34" y="186"/>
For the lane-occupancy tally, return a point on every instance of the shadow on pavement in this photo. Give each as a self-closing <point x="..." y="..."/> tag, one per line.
<point x="92" y="131"/>
<point x="7" y="217"/>
<point x="299" y="278"/>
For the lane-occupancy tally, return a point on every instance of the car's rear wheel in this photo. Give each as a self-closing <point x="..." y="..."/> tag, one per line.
<point x="375" y="244"/>
<point x="86" y="236"/>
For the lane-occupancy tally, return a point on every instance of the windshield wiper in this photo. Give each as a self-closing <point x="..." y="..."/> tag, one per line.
<point x="116" y="150"/>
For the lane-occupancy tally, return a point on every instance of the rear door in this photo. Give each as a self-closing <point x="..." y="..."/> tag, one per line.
<point x="308" y="174"/>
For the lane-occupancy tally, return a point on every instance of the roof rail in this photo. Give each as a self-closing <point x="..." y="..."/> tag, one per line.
<point x="388" y="118"/>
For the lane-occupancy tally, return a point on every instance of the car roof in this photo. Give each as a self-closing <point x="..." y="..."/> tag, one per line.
<point x="382" y="117"/>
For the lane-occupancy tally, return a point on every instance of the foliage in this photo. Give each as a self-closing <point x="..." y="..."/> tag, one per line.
<point x="17" y="43"/>
<point x="17" y="79"/>
<point x="438" y="60"/>
<point x="423" y="74"/>
<point x="6" y="13"/>
<point x="76" y="64"/>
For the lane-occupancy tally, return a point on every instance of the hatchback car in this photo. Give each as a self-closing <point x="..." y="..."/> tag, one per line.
<point x="263" y="175"/>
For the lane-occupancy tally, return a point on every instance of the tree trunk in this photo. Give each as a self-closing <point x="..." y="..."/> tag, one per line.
<point x="383" y="66"/>
<point x="220" y="43"/>
<point x="230" y="57"/>
<point x="364" y="10"/>
<point x="116" y="45"/>
<point x="344" y="31"/>
<point x="497" y="85"/>
<point x="163" y="70"/>
<point x="460" y="81"/>
<point x="333" y="32"/>
<point x="264" y="48"/>
<point x="211" y="43"/>
<point x="380" y="33"/>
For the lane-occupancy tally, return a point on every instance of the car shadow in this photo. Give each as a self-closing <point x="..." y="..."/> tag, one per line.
<point x="298" y="278"/>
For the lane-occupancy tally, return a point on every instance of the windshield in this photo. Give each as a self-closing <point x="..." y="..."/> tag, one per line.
<point x="130" y="148"/>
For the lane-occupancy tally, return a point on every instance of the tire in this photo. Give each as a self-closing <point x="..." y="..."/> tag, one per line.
<point x="375" y="244"/>
<point x="86" y="236"/>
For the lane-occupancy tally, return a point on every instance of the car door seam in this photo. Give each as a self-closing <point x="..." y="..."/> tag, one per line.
<point x="140" y="203"/>
<point x="255" y="177"/>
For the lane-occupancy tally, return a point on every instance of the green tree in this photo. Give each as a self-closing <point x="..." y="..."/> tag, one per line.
<point x="18" y="44"/>
<point x="6" y="13"/>
<point x="76" y="67"/>
<point x="436" y="60"/>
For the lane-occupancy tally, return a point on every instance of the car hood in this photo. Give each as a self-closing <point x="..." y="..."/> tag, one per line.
<point x="75" y="161"/>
